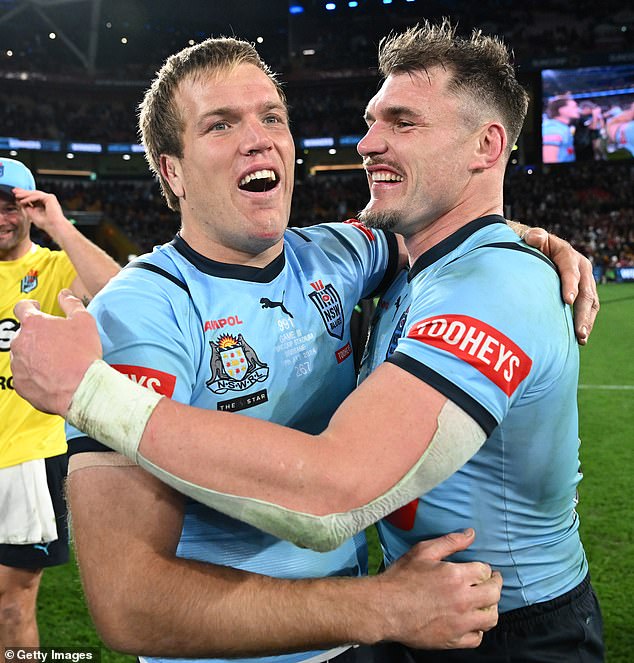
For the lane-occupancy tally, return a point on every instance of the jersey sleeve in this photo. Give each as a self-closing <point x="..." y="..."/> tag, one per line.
<point x="146" y="332"/>
<point x="483" y="330"/>
<point x="551" y="134"/>
<point x="366" y="257"/>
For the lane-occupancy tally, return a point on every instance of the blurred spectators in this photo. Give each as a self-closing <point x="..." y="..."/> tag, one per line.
<point x="590" y="205"/>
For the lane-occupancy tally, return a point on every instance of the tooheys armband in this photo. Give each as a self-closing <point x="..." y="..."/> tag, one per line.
<point x="114" y="410"/>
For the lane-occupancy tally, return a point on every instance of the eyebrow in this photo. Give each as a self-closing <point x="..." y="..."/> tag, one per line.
<point x="392" y="112"/>
<point x="235" y="111"/>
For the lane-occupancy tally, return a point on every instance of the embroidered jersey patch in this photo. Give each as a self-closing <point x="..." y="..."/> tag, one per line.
<point x="484" y="347"/>
<point x="234" y="365"/>
<point x="328" y="302"/>
<point x="158" y="381"/>
<point x="29" y="282"/>
<point x="396" y="334"/>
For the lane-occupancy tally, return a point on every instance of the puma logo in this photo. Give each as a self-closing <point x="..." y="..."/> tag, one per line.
<point x="267" y="303"/>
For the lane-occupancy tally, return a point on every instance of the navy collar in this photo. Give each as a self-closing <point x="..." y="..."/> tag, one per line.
<point x="226" y="270"/>
<point x="452" y="242"/>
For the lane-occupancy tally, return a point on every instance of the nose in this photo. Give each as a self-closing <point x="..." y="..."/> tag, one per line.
<point x="256" y="138"/>
<point x="372" y="143"/>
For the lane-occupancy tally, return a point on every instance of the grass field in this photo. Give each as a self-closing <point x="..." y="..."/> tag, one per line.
<point x="606" y="401"/>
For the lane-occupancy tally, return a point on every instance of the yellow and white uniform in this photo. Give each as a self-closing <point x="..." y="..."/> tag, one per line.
<point x="27" y="434"/>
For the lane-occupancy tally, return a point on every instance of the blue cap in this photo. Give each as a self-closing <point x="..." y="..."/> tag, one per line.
<point x="14" y="173"/>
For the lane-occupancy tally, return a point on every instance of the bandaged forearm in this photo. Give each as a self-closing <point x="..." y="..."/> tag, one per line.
<point x="112" y="409"/>
<point x="457" y="438"/>
<point x="120" y="420"/>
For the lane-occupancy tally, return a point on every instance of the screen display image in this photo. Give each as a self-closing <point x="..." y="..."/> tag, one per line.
<point x="588" y="114"/>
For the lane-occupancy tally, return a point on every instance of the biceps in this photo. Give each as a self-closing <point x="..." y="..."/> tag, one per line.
<point x="115" y="509"/>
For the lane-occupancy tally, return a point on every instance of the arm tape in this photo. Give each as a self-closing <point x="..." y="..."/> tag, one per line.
<point x="457" y="438"/>
<point x="114" y="410"/>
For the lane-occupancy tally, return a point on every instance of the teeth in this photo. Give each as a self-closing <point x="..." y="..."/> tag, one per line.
<point x="385" y="176"/>
<point x="258" y="175"/>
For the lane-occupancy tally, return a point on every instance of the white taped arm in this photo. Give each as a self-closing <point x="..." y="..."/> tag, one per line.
<point x="458" y="437"/>
<point x="115" y="411"/>
<point x="110" y="408"/>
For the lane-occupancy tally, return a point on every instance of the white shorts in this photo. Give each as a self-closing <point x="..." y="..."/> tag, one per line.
<point x="26" y="509"/>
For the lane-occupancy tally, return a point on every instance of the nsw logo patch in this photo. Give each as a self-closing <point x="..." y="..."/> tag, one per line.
<point x="29" y="282"/>
<point x="328" y="302"/>
<point x="485" y="348"/>
<point x="234" y="365"/>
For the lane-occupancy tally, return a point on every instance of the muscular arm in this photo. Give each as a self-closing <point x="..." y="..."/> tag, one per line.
<point x="93" y="265"/>
<point x="550" y="153"/>
<point x="144" y="600"/>
<point x="393" y="439"/>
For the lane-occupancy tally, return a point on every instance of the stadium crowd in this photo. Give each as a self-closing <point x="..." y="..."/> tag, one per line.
<point x="588" y="204"/>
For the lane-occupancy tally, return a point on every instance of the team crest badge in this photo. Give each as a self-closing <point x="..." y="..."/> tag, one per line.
<point x="328" y="303"/>
<point x="396" y="334"/>
<point x="234" y="365"/>
<point x="29" y="282"/>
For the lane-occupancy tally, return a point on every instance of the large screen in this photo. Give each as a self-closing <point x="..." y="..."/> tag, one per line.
<point x="588" y="114"/>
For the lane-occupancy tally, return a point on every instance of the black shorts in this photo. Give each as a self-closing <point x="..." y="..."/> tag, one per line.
<point x="40" y="555"/>
<point x="566" y="629"/>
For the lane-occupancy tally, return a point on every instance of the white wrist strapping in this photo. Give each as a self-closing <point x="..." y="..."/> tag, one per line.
<point x="112" y="409"/>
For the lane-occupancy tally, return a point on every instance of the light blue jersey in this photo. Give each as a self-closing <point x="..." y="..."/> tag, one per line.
<point x="481" y="320"/>
<point x="559" y="134"/>
<point x="271" y="343"/>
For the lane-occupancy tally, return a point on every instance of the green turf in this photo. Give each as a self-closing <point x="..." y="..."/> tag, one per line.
<point x="606" y="493"/>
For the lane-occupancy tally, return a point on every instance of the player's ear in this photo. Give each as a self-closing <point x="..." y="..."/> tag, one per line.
<point x="172" y="173"/>
<point x="490" y="146"/>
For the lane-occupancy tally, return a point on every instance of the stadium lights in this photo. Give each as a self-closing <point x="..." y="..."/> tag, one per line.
<point x="124" y="40"/>
<point x="260" y="40"/>
<point x="9" y="53"/>
<point x="70" y="155"/>
<point x="191" y="42"/>
<point x="353" y="4"/>
<point x="330" y="6"/>
<point x="52" y="35"/>
<point x="295" y="9"/>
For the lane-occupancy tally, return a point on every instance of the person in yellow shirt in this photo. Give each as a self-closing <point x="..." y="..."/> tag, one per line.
<point x="33" y="528"/>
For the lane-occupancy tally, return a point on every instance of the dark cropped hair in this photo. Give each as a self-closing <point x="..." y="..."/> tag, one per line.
<point x="480" y="68"/>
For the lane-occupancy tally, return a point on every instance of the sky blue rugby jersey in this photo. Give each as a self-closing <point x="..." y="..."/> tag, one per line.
<point x="482" y="321"/>
<point x="558" y="133"/>
<point x="271" y="343"/>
